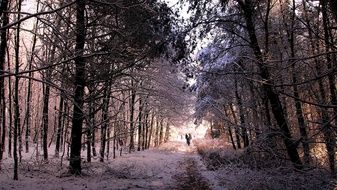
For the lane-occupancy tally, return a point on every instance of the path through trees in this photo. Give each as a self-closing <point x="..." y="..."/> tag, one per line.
<point x="173" y="166"/>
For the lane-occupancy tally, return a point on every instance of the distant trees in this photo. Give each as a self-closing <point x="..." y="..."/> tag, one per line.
<point x="269" y="63"/>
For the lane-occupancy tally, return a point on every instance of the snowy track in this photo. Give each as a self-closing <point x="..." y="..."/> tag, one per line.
<point x="191" y="178"/>
<point x="172" y="166"/>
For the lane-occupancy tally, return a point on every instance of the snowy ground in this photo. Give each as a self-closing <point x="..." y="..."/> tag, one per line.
<point x="169" y="167"/>
<point x="174" y="165"/>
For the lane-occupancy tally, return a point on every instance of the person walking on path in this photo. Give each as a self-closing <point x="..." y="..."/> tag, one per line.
<point x="188" y="138"/>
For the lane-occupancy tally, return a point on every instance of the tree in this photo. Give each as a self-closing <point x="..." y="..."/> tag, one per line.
<point x="3" y="47"/>
<point x="77" y="120"/>
<point x="16" y="95"/>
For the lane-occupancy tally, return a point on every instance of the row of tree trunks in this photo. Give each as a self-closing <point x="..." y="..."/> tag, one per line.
<point x="276" y="105"/>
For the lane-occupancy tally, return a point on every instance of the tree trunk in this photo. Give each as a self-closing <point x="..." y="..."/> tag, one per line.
<point x="256" y="118"/>
<point x="237" y="133"/>
<point x="108" y="142"/>
<point x="241" y="115"/>
<point x="65" y="137"/>
<point x="45" y="114"/>
<point x="167" y="132"/>
<point x="151" y="131"/>
<point x="65" y="122"/>
<point x="156" y="135"/>
<point x="77" y="120"/>
<point x="115" y="140"/>
<point x="140" y="115"/>
<point x="161" y="132"/>
<point x="3" y="47"/>
<point x="3" y="7"/>
<point x="230" y="130"/>
<point x="16" y="95"/>
<point x="90" y="127"/>
<point x="29" y="96"/>
<point x="59" y="127"/>
<point x="94" y="153"/>
<point x="10" y="109"/>
<point x="105" y="116"/>
<point x="333" y="7"/>
<point x="327" y="127"/>
<point x="329" y="134"/>
<point x="146" y="130"/>
<point x="132" y="110"/>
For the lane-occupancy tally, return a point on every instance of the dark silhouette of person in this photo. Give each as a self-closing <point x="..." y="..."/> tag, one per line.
<point x="188" y="139"/>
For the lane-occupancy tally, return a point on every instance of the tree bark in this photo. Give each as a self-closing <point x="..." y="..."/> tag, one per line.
<point x="16" y="94"/>
<point x="329" y="133"/>
<point x="167" y="132"/>
<point x="146" y="130"/>
<point x="140" y="115"/>
<point x="29" y="94"/>
<point x="333" y="7"/>
<point x="77" y="120"/>
<point x="237" y="132"/>
<point x="115" y="140"/>
<point x="3" y="47"/>
<point x="230" y="130"/>
<point x="161" y="131"/>
<point x="105" y="118"/>
<point x="108" y="142"/>
<point x="132" y="110"/>
<point x="10" y="109"/>
<point x="60" y="126"/>
<point x="151" y="131"/>
<point x="241" y="115"/>
<point x="156" y="135"/>
<point x="90" y="127"/>
<point x="45" y="114"/>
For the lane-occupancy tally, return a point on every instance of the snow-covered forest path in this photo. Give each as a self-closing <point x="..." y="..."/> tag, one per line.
<point x="172" y="166"/>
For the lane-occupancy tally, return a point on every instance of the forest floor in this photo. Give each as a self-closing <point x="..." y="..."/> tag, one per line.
<point x="171" y="166"/>
<point x="174" y="165"/>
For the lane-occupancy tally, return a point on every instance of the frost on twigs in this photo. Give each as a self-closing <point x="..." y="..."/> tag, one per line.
<point x="249" y="169"/>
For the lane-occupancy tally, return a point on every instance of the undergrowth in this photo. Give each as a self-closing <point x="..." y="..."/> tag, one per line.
<point x="257" y="168"/>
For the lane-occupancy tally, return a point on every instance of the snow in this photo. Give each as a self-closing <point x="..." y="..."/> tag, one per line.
<point x="150" y="169"/>
<point x="173" y="165"/>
